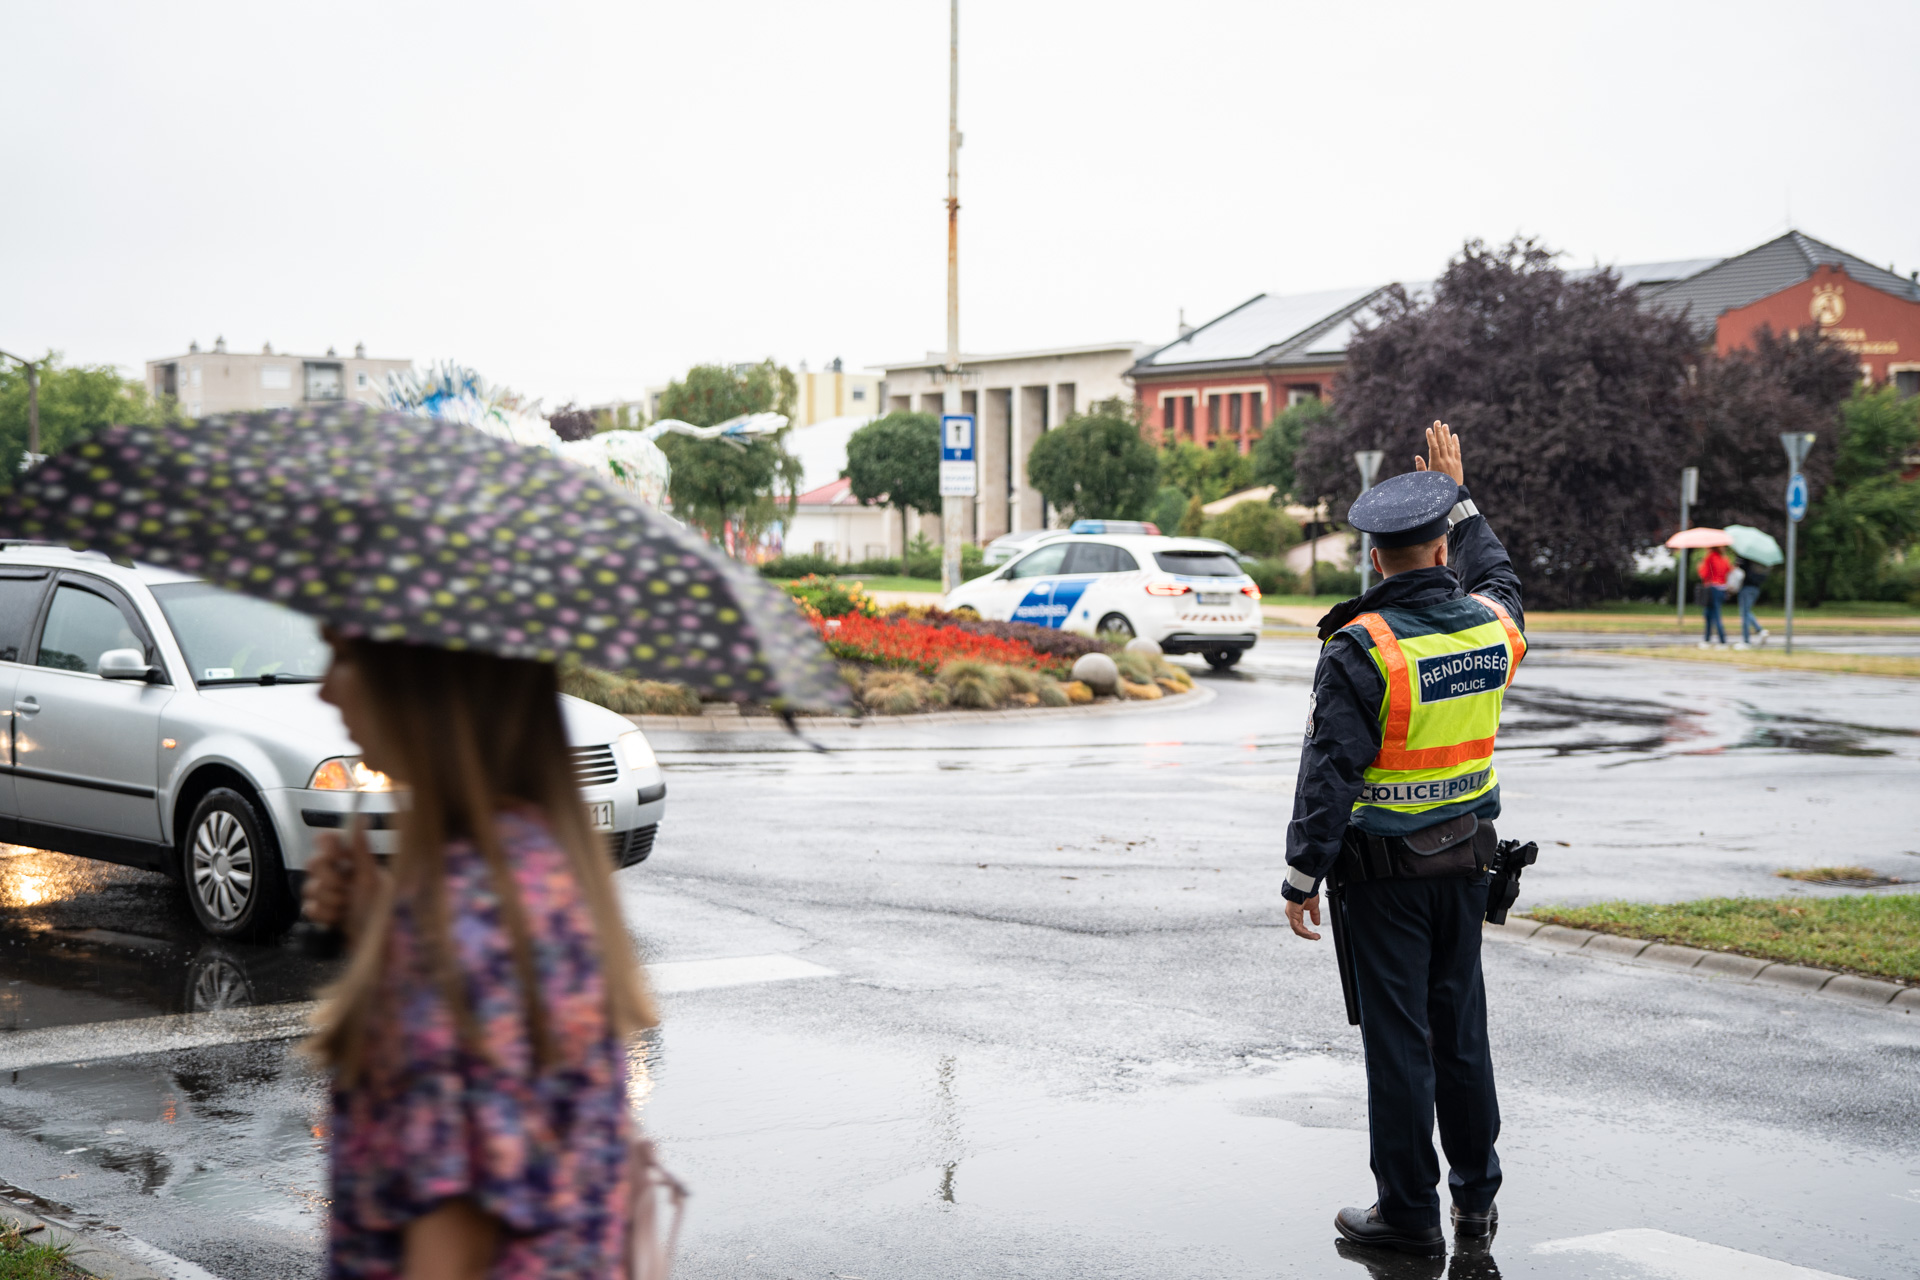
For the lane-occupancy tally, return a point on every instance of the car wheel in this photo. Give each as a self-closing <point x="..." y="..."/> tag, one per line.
<point x="230" y="865"/>
<point x="1117" y="624"/>
<point x="966" y="611"/>
<point x="1222" y="659"/>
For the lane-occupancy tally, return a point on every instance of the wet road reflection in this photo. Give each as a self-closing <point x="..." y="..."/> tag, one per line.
<point x="84" y="941"/>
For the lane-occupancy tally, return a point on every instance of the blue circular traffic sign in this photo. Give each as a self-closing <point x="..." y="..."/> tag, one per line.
<point x="1797" y="497"/>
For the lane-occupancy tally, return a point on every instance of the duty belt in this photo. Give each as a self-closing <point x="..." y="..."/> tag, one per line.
<point x="1462" y="846"/>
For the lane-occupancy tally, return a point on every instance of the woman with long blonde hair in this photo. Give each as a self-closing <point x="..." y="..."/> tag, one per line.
<point x="477" y="1040"/>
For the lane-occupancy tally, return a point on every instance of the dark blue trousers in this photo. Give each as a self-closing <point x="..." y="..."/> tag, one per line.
<point x="1423" y="1020"/>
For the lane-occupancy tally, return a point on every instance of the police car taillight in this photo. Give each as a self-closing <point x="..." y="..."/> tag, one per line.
<point x="1167" y="588"/>
<point x="1250" y="590"/>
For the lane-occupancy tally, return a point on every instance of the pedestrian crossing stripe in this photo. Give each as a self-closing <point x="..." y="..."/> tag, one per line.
<point x="1667" y="1256"/>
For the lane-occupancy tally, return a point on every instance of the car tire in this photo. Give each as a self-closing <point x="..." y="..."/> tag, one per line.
<point x="1116" y="622"/>
<point x="230" y="867"/>
<point x="1222" y="659"/>
<point x="966" y="611"/>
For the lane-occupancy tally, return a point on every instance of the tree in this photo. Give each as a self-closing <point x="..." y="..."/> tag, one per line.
<point x="717" y="483"/>
<point x="895" y="460"/>
<point x="1096" y="465"/>
<point x="1867" y="510"/>
<point x="74" y="401"/>
<point x="1274" y="451"/>
<point x="1570" y="397"/>
<point x="1257" y="528"/>
<point x="571" y="422"/>
<point x="1206" y="474"/>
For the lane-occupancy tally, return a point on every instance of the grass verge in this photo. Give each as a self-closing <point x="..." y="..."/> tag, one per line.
<point x="880" y="583"/>
<point x="1876" y="935"/>
<point x="1865" y="664"/>
<point x="21" y="1259"/>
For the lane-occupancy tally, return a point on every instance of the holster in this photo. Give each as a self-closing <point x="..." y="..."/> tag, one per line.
<point x="1462" y="846"/>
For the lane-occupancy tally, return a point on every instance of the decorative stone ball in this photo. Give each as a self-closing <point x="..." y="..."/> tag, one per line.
<point x="1097" y="672"/>
<point x="1140" y="644"/>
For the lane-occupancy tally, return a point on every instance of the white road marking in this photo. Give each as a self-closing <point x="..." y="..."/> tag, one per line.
<point x="1681" y="1258"/>
<point x="157" y="1258"/>
<point x="94" y="1041"/>
<point x="86" y="1042"/>
<point x="735" y="971"/>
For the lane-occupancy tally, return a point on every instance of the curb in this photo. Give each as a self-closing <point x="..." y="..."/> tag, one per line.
<point x="1199" y="696"/>
<point x="1721" y="964"/>
<point x="84" y="1253"/>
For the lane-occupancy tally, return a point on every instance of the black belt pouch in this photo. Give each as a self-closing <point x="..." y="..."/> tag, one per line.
<point x="1445" y="849"/>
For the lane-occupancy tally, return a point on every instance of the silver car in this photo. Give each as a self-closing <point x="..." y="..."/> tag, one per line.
<point x="157" y="721"/>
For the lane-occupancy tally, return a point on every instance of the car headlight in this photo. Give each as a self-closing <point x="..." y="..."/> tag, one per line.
<point x="346" y="773"/>
<point x="635" y="751"/>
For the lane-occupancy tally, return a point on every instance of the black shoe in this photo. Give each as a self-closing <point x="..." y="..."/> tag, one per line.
<point x="1476" y="1226"/>
<point x="1368" y="1227"/>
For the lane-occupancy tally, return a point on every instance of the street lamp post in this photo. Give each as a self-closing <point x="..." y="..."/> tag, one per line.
<point x="1689" y="494"/>
<point x="33" y="402"/>
<point x="1368" y="460"/>
<point x="1796" y="443"/>
<point x="952" y="507"/>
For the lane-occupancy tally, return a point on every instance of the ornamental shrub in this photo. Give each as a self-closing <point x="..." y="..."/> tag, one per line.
<point x="627" y="696"/>
<point x="1137" y="667"/>
<point x="830" y="598"/>
<point x="973" y="683"/>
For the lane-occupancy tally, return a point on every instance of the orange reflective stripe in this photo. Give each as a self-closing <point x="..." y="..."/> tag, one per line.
<point x="1516" y="643"/>
<point x="1399" y="685"/>
<point x="1432" y="757"/>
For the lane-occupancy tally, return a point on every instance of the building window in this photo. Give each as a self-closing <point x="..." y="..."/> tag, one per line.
<point x="1907" y="381"/>
<point x="276" y="377"/>
<point x="360" y="378"/>
<point x="323" y="382"/>
<point x="1256" y="401"/>
<point x="859" y="393"/>
<point x="1186" y="412"/>
<point x="195" y="377"/>
<point x="1302" y="395"/>
<point x="1236" y="425"/>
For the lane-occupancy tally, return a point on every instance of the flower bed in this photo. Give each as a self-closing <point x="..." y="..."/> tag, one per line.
<point x="1047" y="640"/>
<point x="905" y="642"/>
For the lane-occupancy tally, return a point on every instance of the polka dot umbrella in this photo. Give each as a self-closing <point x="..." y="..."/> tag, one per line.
<point x="402" y="528"/>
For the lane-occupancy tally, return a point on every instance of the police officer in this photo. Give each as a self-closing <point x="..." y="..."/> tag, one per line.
<point x="1395" y="802"/>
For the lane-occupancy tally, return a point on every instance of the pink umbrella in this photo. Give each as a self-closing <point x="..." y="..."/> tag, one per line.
<point x="1701" y="537"/>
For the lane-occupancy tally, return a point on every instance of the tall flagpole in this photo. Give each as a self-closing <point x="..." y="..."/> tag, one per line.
<point x="952" y="510"/>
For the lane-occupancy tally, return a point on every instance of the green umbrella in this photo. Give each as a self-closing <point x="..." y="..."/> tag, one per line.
<point x="1750" y="543"/>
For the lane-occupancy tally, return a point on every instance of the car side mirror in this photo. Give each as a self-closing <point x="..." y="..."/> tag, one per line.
<point x="127" y="664"/>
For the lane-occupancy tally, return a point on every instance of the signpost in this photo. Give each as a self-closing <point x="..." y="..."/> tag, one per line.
<point x="956" y="456"/>
<point x="1689" y="494"/>
<point x="1796" y="443"/>
<point x="955" y="507"/>
<point x="1368" y="460"/>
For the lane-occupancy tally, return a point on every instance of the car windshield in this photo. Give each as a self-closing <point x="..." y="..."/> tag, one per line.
<point x="1198" y="564"/>
<point x="235" y="639"/>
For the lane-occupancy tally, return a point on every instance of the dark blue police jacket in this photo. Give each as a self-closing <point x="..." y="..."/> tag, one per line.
<point x="1343" y="727"/>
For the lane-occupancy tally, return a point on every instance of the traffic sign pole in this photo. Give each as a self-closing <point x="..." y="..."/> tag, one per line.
<point x="1368" y="460"/>
<point x="1796" y="443"/>
<point x="1689" y="494"/>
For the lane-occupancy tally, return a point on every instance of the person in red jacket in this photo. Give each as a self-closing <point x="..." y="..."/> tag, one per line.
<point x="1713" y="575"/>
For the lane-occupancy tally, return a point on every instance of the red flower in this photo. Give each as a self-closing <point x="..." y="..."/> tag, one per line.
<point x="902" y="642"/>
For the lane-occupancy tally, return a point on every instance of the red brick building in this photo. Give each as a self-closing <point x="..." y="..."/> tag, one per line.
<point x="1794" y="282"/>
<point x="1226" y="379"/>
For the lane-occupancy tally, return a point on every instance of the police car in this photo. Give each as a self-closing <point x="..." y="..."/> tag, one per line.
<point x="1187" y="594"/>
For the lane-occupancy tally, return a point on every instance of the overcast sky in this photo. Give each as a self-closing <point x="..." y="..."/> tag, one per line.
<point x="582" y="199"/>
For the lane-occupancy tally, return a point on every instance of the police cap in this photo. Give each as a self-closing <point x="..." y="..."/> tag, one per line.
<point x="1405" y="510"/>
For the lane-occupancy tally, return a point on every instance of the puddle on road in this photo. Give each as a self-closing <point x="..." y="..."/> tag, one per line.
<point x="84" y="941"/>
<point x="1582" y="724"/>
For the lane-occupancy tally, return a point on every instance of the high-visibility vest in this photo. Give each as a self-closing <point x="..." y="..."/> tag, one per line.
<point x="1441" y="712"/>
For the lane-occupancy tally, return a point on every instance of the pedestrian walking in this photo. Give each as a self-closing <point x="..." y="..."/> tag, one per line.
<point x="477" y="1041"/>
<point x="1395" y="802"/>
<point x="1753" y="580"/>
<point x="1715" y="568"/>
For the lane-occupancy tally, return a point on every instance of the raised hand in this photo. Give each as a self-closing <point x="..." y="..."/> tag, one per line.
<point x="1444" y="448"/>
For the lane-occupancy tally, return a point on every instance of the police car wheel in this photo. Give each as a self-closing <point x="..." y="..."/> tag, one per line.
<point x="1222" y="659"/>
<point x="1117" y="624"/>
<point x="966" y="611"/>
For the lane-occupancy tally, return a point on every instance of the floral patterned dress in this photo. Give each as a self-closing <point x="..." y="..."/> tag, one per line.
<point x="543" y="1150"/>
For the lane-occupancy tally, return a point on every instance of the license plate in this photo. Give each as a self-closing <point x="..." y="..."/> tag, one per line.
<point x="600" y="815"/>
<point x="1216" y="597"/>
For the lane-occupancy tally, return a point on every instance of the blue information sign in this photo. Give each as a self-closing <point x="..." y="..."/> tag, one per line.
<point x="1797" y="497"/>
<point x="956" y="437"/>
<point x="956" y="456"/>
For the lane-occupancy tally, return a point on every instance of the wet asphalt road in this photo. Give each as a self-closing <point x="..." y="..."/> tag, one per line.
<point x="1065" y="1031"/>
